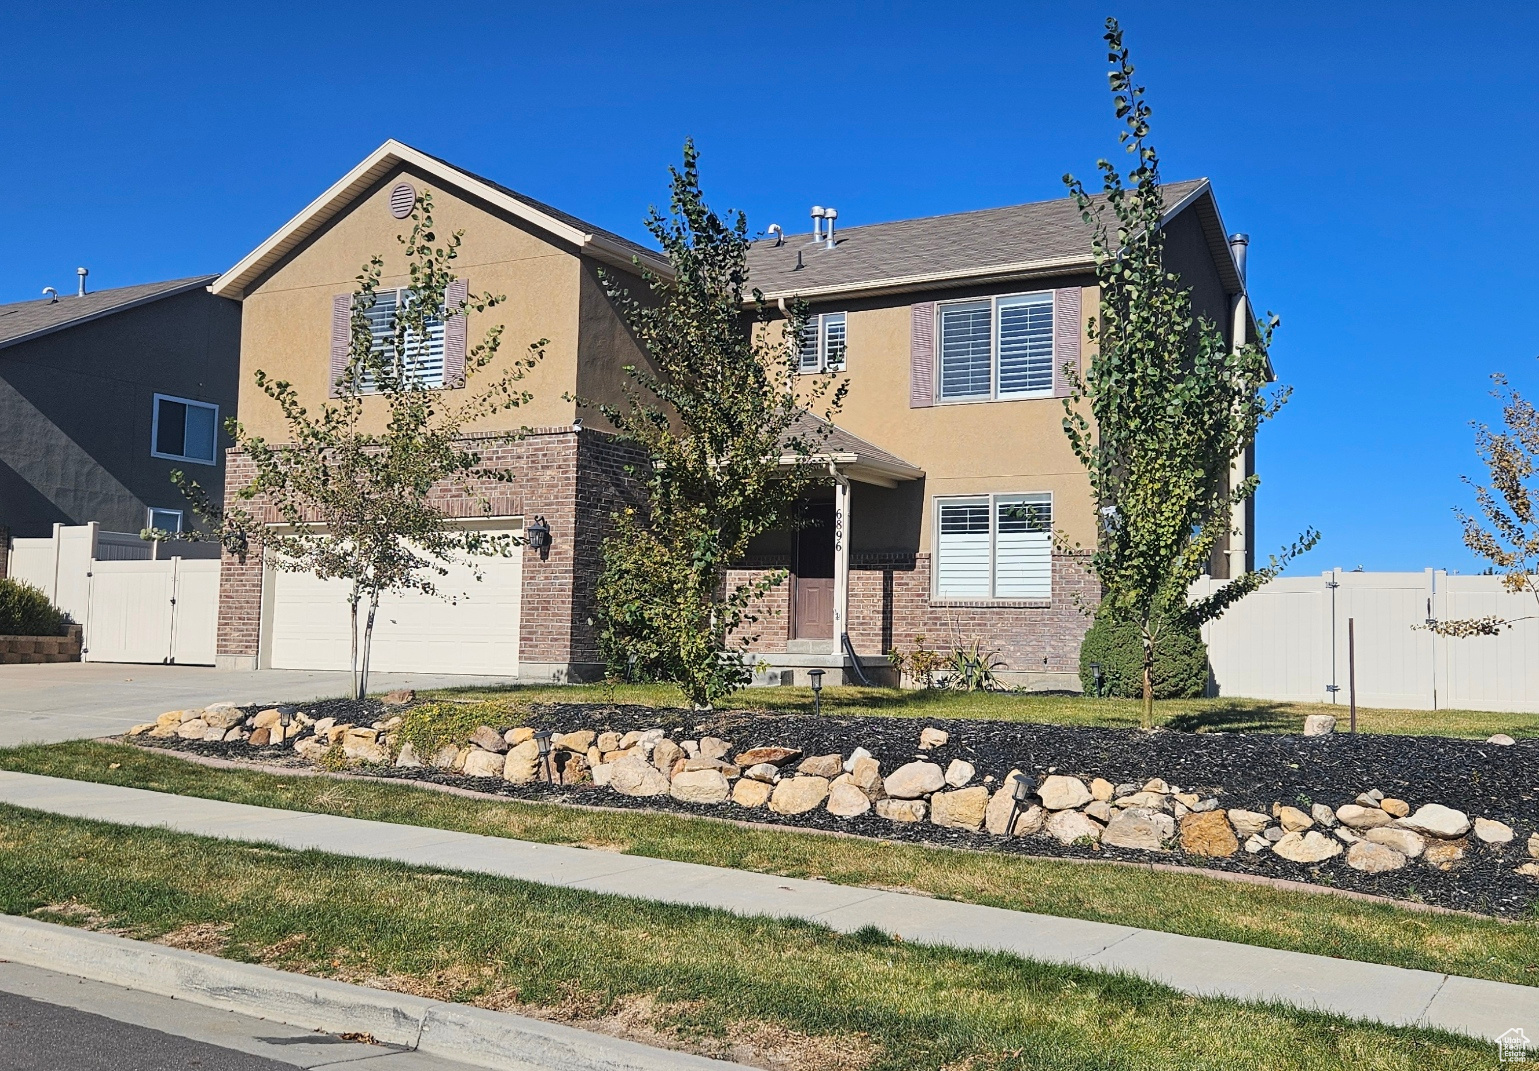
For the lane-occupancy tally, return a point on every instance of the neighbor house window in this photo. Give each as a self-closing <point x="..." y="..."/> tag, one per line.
<point x="998" y="347"/>
<point x="167" y="520"/>
<point x="994" y="547"/>
<point x="424" y="357"/>
<point x="822" y="343"/>
<point x="184" y="430"/>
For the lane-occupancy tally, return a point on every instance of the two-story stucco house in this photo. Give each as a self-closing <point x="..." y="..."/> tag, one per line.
<point x="949" y="469"/>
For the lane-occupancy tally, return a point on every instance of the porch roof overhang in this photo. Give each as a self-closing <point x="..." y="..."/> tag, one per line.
<point x="853" y="456"/>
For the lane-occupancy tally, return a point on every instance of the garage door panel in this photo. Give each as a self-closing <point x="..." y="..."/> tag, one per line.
<point x="472" y="628"/>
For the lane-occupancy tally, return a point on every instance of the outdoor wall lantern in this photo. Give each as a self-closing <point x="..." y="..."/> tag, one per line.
<point x="1023" y="790"/>
<point x="538" y="535"/>
<point x="817" y="691"/>
<point x="542" y="738"/>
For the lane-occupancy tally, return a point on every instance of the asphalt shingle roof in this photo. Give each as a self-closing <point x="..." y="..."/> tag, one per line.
<point x="28" y="319"/>
<point x="833" y="439"/>
<point x="959" y="244"/>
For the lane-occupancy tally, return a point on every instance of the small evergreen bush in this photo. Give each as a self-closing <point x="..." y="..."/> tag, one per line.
<point x="1180" y="661"/>
<point x="26" y="611"/>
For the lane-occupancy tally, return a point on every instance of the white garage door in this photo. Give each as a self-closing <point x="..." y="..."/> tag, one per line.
<point x="413" y="633"/>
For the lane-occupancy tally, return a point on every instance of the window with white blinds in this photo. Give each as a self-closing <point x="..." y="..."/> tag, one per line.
<point x="994" y="546"/>
<point x="998" y="347"/>
<point x="821" y="347"/>
<point x="424" y="357"/>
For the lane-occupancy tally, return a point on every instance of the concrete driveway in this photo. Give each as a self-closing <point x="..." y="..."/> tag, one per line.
<point x="70" y="700"/>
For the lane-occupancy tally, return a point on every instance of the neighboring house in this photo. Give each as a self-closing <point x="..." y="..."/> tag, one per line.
<point x="103" y="394"/>
<point x="949" y="466"/>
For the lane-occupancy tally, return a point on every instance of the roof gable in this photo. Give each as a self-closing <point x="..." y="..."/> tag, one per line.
<point x="392" y="155"/>
<point x="26" y="320"/>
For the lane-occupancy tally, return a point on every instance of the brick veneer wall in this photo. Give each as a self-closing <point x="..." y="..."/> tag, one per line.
<point x="574" y="480"/>
<point x="890" y="606"/>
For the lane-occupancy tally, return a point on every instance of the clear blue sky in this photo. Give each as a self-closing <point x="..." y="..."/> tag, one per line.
<point x="1378" y="161"/>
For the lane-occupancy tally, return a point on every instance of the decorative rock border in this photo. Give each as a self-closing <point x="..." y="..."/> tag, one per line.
<point x="1370" y="833"/>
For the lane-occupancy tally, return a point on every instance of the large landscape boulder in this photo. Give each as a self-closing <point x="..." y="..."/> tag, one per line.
<point x="1407" y="842"/>
<point x="748" y="793"/>
<point x="1373" y="858"/>
<point x="1068" y="827"/>
<point x="1310" y="847"/>
<point x="913" y="780"/>
<point x="799" y="794"/>
<point x="901" y="810"/>
<point x="846" y="800"/>
<point x="478" y="763"/>
<point x="1436" y="820"/>
<point x="1356" y="816"/>
<point x="635" y="776"/>
<point x="521" y="764"/>
<point x="1060" y="793"/>
<point x="1208" y="833"/>
<point x="1141" y="828"/>
<point x="775" y="756"/>
<point x="962" y="809"/>
<point x="700" y="786"/>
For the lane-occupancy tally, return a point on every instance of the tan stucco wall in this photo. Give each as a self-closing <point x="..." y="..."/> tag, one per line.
<point x="605" y="343"/>
<point x="963" y="447"/>
<point x="286" y="321"/>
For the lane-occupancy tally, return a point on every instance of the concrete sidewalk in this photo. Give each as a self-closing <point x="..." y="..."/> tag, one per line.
<point x="1393" y="995"/>
<point x="44" y="704"/>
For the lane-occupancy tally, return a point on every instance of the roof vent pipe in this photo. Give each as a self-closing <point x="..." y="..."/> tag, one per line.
<point x="778" y="231"/>
<point x="831" y="214"/>
<point x="1238" y="244"/>
<point x="82" y="272"/>
<point x="51" y="294"/>
<point x="817" y="223"/>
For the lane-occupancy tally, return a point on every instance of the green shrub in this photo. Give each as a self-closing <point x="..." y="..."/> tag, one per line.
<point x="429" y="726"/>
<point x="1180" y="661"/>
<point x="26" y="611"/>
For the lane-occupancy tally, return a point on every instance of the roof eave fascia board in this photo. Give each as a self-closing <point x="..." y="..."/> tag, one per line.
<point x="391" y="154"/>
<point x="111" y="310"/>
<point x="1030" y="269"/>
<point x="885" y="470"/>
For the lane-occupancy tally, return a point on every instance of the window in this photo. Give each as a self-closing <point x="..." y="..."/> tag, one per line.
<point x="822" y="343"/>
<point x="997" y="348"/>
<point x="424" y="357"/>
<point x="994" y="547"/>
<point x="184" y="430"/>
<point x="167" y="520"/>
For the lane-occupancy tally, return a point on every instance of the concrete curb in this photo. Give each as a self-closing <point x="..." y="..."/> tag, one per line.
<point x="451" y="1031"/>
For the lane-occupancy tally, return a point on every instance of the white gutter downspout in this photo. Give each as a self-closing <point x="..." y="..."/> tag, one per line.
<point x="841" y="555"/>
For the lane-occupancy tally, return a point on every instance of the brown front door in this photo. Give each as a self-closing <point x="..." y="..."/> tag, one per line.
<point x="812" y="576"/>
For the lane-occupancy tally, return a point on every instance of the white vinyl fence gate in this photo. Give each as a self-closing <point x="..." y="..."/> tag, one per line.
<point x="132" y="607"/>
<point x="1288" y="641"/>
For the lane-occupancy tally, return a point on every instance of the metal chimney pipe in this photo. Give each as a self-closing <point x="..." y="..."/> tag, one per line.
<point x="831" y="214"/>
<point x="1238" y="245"/>
<point x="82" y="272"/>
<point x="817" y="223"/>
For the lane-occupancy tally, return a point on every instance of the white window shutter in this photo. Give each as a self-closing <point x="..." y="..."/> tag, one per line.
<point x="962" y="549"/>
<point x="1023" y="547"/>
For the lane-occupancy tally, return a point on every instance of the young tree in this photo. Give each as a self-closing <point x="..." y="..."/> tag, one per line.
<point x="355" y="502"/>
<point x="714" y="415"/>
<point x="1509" y="538"/>
<point x="1164" y="407"/>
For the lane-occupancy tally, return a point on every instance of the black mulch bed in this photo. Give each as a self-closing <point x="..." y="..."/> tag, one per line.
<point x="1250" y="770"/>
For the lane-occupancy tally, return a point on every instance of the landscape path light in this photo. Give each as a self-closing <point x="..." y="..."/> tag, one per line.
<point x="1021" y="793"/>
<point x="1095" y="668"/>
<point x="542" y="738"/>
<point x="817" y="691"/>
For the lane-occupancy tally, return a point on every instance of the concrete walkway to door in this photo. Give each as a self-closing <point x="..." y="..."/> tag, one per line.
<point x="44" y="704"/>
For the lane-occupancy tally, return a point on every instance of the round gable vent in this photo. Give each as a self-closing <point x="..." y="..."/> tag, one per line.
<point x="402" y="199"/>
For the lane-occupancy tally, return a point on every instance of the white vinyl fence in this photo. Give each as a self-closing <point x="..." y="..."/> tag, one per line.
<point x="1288" y="641"/>
<point x="132" y="606"/>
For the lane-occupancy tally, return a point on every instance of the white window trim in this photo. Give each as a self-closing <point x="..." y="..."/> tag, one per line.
<point x="819" y="320"/>
<point x="155" y="429"/>
<point x="149" y="517"/>
<point x="992" y="498"/>
<point x="993" y="395"/>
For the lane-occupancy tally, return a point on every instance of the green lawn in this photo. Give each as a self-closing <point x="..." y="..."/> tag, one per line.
<point x="786" y="994"/>
<point x="1188" y="715"/>
<point x="1191" y="904"/>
